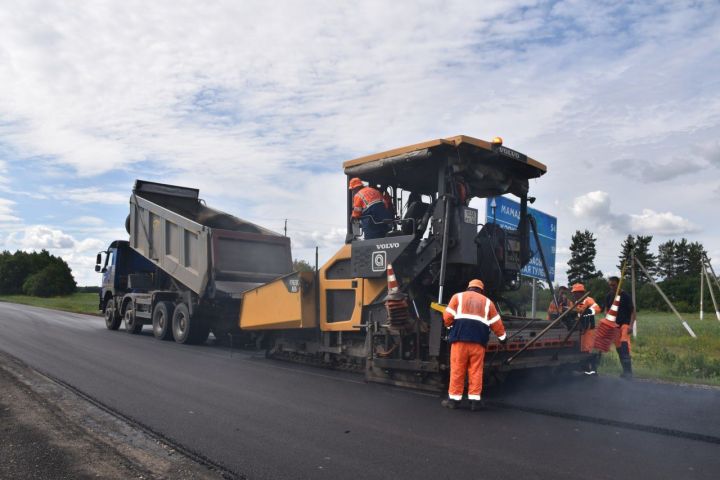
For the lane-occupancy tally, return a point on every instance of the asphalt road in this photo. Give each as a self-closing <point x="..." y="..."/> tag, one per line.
<point x="266" y="419"/>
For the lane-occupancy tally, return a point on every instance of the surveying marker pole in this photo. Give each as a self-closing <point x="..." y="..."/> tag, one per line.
<point x="712" y="271"/>
<point x="712" y="294"/>
<point x="702" y="287"/>
<point x="662" y="294"/>
<point x="632" y="288"/>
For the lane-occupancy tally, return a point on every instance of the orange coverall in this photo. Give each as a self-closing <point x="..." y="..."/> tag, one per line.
<point x="470" y="316"/>
<point x="587" y="338"/>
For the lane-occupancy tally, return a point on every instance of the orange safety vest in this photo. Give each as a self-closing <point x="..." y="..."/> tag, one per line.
<point x="364" y="199"/>
<point x="472" y="315"/>
<point x="554" y="311"/>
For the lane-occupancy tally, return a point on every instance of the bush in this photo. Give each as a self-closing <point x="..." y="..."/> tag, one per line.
<point x="55" y="279"/>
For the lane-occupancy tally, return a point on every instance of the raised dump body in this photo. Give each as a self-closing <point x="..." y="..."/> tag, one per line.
<point x="210" y="252"/>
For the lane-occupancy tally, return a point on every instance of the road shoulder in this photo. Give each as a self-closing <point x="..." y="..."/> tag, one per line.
<point x="50" y="431"/>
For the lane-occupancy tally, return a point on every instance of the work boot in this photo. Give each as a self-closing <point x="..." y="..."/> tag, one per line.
<point x="450" y="403"/>
<point x="627" y="369"/>
<point x="477" y="405"/>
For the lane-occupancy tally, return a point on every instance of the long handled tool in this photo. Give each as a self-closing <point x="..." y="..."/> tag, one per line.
<point x="547" y="329"/>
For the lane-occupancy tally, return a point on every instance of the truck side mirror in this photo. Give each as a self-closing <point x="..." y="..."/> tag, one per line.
<point x="98" y="259"/>
<point x="97" y="268"/>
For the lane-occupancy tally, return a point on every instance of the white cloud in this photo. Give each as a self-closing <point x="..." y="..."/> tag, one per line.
<point x="93" y="195"/>
<point x="38" y="237"/>
<point x="650" y="222"/>
<point x="596" y="206"/>
<point x="6" y="211"/>
<point x="592" y="204"/>
<point x="86" y="220"/>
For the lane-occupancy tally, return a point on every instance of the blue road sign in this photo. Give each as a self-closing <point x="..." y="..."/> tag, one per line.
<point x="506" y="213"/>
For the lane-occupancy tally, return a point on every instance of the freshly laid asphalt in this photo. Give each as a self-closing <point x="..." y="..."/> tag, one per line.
<point x="267" y="419"/>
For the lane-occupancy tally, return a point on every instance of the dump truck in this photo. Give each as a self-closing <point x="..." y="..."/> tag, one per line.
<point x="200" y="270"/>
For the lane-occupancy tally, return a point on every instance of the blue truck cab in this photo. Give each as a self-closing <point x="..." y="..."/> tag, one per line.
<point x="120" y="261"/>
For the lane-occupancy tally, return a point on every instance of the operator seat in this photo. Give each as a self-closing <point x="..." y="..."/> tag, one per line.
<point x="415" y="210"/>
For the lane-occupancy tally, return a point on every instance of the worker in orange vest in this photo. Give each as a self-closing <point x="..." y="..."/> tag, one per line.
<point x="559" y="304"/>
<point x="370" y="208"/>
<point x="587" y="310"/>
<point x="470" y="316"/>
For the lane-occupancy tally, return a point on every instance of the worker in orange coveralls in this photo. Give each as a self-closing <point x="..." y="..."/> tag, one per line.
<point x="587" y="311"/>
<point x="470" y="316"/>
<point x="370" y="208"/>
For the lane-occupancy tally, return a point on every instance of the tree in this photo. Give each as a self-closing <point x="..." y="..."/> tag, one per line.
<point x="666" y="267"/>
<point x="641" y="243"/>
<point x="682" y="259"/>
<point x="582" y="258"/>
<point x="55" y="279"/>
<point x="695" y="257"/>
<point x="642" y="253"/>
<point x="36" y="273"/>
<point x="302" y="266"/>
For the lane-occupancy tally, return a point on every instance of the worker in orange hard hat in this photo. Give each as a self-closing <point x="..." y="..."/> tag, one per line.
<point x="370" y="209"/>
<point x="470" y="316"/>
<point x="587" y="309"/>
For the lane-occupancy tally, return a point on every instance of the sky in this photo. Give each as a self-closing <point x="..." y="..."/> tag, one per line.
<point x="259" y="103"/>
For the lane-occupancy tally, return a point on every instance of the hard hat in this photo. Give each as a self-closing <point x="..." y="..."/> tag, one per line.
<point x="477" y="284"/>
<point x="578" y="287"/>
<point x="355" y="183"/>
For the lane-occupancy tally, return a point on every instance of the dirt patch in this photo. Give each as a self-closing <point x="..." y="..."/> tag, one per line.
<point x="48" y="431"/>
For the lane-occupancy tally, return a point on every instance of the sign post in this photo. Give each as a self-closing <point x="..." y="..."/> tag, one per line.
<point x="506" y="214"/>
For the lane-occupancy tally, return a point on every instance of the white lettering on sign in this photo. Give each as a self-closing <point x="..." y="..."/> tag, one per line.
<point x="294" y="285"/>
<point x="385" y="246"/>
<point x="510" y="153"/>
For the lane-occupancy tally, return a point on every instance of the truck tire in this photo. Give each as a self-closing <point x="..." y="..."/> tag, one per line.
<point x="186" y="329"/>
<point x="112" y="316"/>
<point x="132" y="324"/>
<point x="162" y="320"/>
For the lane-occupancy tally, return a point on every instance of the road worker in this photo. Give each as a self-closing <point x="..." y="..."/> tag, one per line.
<point x="625" y="320"/>
<point x="470" y="316"/>
<point x="370" y="209"/>
<point x="559" y="304"/>
<point x="587" y="310"/>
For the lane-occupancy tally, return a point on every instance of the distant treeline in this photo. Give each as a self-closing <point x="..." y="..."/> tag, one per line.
<point x="38" y="273"/>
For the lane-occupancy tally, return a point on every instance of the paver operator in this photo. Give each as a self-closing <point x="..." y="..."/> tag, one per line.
<point x="370" y="208"/>
<point x="470" y="316"/>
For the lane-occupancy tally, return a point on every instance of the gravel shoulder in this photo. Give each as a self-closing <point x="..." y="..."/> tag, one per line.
<point x="48" y="431"/>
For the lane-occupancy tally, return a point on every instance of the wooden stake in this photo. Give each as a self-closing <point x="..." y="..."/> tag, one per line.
<point x="662" y="294"/>
<point x="632" y="288"/>
<point x="712" y="294"/>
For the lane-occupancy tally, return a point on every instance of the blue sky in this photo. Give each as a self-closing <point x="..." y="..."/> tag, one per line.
<point x="258" y="104"/>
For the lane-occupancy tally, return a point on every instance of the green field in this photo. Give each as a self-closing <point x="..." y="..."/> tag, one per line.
<point x="664" y="349"/>
<point x="77" y="302"/>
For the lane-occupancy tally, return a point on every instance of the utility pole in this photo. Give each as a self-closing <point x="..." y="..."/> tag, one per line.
<point x="286" y="227"/>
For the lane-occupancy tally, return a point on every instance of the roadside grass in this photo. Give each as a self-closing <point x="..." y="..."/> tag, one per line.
<point x="664" y="350"/>
<point x="77" y="302"/>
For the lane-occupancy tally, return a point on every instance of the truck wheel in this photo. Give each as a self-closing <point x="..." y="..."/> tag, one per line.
<point x="132" y="325"/>
<point x="112" y="316"/>
<point x="186" y="329"/>
<point x="162" y="320"/>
